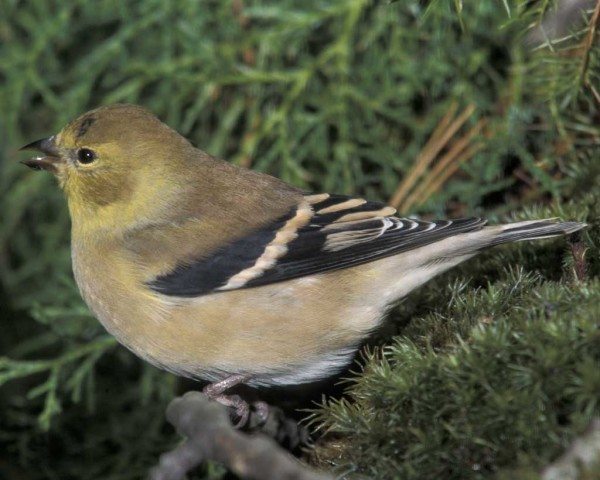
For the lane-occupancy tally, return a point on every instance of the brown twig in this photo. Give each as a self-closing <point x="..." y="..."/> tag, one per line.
<point x="588" y="42"/>
<point x="578" y="250"/>
<point x="210" y="436"/>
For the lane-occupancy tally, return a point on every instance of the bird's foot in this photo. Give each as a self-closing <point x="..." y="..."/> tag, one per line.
<point x="239" y="408"/>
<point x="241" y="411"/>
<point x="257" y="416"/>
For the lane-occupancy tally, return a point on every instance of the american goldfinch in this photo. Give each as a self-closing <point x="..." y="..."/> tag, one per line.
<point x="216" y="272"/>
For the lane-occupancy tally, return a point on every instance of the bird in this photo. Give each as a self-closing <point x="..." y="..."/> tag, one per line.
<point x="227" y="275"/>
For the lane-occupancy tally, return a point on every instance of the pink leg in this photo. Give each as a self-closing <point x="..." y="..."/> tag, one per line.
<point x="212" y="390"/>
<point x="215" y="391"/>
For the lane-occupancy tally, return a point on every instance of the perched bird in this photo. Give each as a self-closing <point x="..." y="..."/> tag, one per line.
<point x="216" y="272"/>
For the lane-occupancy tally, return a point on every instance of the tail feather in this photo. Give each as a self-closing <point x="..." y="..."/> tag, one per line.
<point x="534" y="230"/>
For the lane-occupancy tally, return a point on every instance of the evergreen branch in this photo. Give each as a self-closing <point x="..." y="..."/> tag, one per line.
<point x="11" y="369"/>
<point x="210" y="436"/>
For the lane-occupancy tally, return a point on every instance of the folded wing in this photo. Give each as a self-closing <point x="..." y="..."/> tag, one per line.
<point x="323" y="233"/>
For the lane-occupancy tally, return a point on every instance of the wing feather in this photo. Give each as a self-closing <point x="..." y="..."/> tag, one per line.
<point x="325" y="232"/>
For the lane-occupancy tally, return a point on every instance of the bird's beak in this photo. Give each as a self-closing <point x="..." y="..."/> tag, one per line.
<point x="51" y="157"/>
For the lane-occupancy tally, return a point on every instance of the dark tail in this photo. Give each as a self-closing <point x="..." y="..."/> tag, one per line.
<point x="533" y="230"/>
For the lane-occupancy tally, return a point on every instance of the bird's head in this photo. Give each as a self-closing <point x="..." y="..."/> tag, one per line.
<point x="114" y="163"/>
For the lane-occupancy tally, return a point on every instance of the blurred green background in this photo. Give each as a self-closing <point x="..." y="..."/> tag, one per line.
<point x="441" y="108"/>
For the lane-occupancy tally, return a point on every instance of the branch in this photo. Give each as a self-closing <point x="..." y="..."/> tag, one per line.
<point x="588" y="43"/>
<point x="210" y="436"/>
<point x="578" y="250"/>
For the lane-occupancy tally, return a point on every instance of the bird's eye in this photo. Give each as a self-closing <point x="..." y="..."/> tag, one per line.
<point x="85" y="155"/>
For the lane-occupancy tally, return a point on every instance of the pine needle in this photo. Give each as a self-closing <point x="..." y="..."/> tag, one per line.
<point x="459" y="153"/>
<point x="441" y="136"/>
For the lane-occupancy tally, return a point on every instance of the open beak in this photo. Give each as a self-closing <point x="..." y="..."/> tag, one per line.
<point x="49" y="160"/>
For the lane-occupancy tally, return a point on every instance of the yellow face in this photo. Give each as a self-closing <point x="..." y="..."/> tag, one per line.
<point x="113" y="159"/>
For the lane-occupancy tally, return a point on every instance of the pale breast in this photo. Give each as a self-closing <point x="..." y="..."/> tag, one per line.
<point x="288" y="332"/>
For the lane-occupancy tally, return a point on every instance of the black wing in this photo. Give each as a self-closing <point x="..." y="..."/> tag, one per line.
<point x="324" y="233"/>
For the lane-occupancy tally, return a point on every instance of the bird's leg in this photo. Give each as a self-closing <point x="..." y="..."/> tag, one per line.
<point x="216" y="391"/>
<point x="213" y="390"/>
<point x="257" y="416"/>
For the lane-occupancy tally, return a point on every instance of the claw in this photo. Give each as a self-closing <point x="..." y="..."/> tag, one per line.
<point x="262" y="411"/>
<point x="239" y="408"/>
<point x="242" y="410"/>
